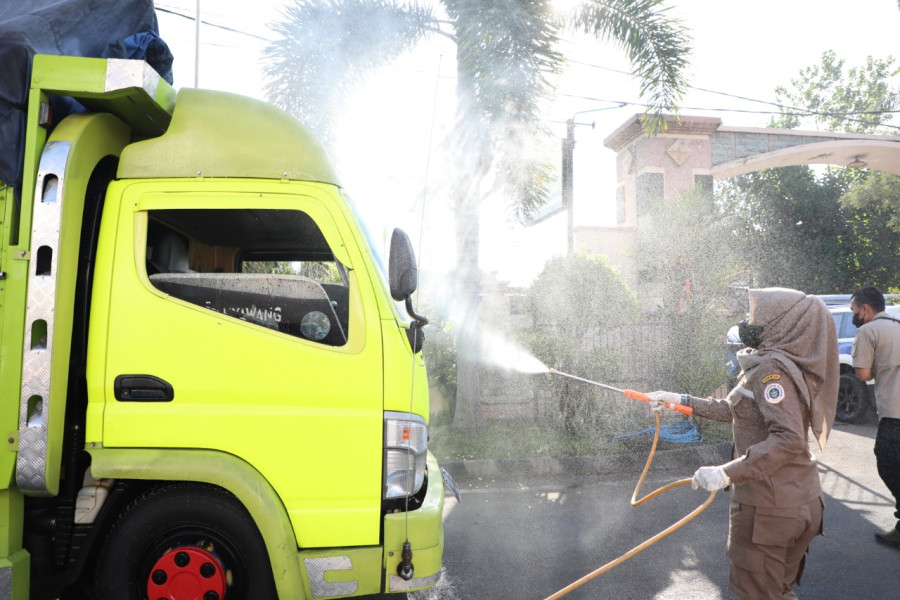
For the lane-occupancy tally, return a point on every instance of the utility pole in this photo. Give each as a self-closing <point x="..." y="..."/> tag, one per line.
<point x="568" y="172"/>
<point x="197" y="47"/>
<point x="568" y="155"/>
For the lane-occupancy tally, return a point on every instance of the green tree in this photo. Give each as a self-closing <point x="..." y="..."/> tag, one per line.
<point x="881" y="193"/>
<point x="854" y="100"/>
<point x="505" y="52"/>
<point x="875" y="204"/>
<point x="785" y="216"/>
<point x="574" y="303"/>
<point x="685" y="256"/>
<point x="440" y="356"/>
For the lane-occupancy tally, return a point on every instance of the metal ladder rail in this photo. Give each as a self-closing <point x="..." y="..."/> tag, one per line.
<point x="31" y="462"/>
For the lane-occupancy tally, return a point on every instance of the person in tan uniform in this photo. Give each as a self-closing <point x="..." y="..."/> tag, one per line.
<point x="788" y="384"/>
<point x="876" y="355"/>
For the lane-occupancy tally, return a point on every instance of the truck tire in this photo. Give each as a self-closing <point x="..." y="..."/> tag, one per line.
<point x="192" y="539"/>
<point x="853" y="399"/>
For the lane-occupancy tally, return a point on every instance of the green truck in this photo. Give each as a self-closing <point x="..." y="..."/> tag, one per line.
<point x="212" y="387"/>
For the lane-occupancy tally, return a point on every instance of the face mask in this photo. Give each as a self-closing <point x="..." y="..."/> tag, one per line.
<point x="750" y="335"/>
<point x="858" y="321"/>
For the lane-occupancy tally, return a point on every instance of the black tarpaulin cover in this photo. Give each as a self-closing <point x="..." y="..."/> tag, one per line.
<point x="92" y="28"/>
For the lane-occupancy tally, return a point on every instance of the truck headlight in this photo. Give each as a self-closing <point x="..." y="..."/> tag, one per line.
<point x="405" y="447"/>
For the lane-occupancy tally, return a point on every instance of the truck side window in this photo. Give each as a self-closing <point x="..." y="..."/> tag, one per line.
<point x="269" y="267"/>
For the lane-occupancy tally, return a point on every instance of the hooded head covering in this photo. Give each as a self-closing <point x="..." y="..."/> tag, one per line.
<point x="798" y="332"/>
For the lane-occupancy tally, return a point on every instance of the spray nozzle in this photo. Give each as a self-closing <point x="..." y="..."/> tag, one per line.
<point x="640" y="397"/>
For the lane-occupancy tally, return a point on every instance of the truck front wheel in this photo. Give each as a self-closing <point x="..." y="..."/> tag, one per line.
<point x="184" y="542"/>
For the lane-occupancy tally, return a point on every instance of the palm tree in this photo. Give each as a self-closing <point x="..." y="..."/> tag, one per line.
<point x="506" y="50"/>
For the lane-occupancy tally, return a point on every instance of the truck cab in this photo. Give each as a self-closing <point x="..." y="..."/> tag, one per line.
<point x="214" y="387"/>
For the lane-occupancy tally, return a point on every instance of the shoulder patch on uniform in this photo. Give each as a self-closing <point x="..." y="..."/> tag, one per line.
<point x="773" y="376"/>
<point x="774" y="393"/>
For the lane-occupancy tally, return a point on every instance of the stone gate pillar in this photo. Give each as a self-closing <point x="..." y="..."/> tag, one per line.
<point x="650" y="168"/>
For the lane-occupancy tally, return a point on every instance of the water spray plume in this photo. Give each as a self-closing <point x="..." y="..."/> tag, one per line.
<point x="499" y="352"/>
<point x="640" y="397"/>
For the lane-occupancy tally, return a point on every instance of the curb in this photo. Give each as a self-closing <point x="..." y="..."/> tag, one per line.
<point x="692" y="456"/>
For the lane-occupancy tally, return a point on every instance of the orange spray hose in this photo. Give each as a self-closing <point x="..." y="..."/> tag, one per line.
<point x="686" y="410"/>
<point x="634" y="497"/>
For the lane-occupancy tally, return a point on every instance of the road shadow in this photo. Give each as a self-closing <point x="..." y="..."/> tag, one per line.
<point x="528" y="538"/>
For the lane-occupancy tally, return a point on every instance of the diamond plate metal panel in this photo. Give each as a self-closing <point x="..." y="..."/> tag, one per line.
<point x="6" y="577"/>
<point x="398" y="584"/>
<point x="123" y="73"/>
<point x="316" y="569"/>
<point x="31" y="461"/>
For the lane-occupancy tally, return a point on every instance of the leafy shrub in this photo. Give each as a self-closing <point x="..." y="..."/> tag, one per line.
<point x="574" y="304"/>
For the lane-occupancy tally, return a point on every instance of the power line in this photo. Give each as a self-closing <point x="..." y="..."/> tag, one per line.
<point x="215" y="25"/>
<point x="783" y="109"/>
<point x="791" y="112"/>
<point x="699" y="89"/>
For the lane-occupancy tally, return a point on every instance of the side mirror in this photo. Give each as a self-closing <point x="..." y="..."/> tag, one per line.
<point x="404" y="279"/>
<point x="402" y="270"/>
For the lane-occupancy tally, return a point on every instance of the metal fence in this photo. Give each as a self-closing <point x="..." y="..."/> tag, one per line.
<point x="508" y="394"/>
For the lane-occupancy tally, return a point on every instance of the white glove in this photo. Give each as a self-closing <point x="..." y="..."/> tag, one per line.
<point x="710" y="479"/>
<point x="658" y="400"/>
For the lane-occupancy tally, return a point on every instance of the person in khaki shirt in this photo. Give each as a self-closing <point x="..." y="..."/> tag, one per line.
<point x="876" y="355"/>
<point x="788" y="385"/>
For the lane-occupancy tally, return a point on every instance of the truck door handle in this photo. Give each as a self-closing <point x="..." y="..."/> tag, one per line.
<point x="142" y="388"/>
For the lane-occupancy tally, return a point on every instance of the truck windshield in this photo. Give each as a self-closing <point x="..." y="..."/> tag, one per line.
<point x="373" y="248"/>
<point x="399" y="307"/>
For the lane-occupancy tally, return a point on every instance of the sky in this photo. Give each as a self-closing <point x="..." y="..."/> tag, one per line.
<point x="389" y="152"/>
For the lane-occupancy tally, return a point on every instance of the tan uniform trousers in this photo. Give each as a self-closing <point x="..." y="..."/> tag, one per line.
<point x="767" y="548"/>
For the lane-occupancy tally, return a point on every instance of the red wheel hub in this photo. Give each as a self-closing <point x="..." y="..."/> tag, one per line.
<point x="187" y="573"/>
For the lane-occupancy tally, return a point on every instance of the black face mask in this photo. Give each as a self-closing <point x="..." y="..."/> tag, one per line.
<point x="750" y="335"/>
<point x="858" y="321"/>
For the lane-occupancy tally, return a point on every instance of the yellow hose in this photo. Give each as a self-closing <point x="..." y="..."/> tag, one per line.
<point x="637" y="502"/>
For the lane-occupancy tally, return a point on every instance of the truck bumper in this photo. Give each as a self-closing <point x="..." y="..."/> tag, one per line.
<point x="425" y="531"/>
<point x="345" y="572"/>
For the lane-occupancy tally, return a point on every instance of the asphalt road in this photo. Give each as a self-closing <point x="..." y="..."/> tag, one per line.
<point x="525" y="539"/>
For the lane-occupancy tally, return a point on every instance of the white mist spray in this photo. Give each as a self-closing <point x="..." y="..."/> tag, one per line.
<point x="497" y="351"/>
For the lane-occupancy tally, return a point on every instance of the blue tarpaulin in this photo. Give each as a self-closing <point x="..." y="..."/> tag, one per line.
<point x="679" y="432"/>
<point x="92" y="28"/>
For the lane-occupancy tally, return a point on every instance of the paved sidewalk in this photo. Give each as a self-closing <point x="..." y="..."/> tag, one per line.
<point x="504" y="469"/>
